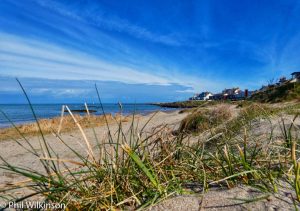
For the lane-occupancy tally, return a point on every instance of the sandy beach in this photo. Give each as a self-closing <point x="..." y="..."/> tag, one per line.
<point x="13" y="153"/>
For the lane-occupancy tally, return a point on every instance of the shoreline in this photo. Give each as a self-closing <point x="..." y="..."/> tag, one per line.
<point x="48" y="125"/>
<point x="7" y="124"/>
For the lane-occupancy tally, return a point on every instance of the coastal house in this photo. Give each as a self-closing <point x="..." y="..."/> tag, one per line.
<point x="201" y="96"/>
<point x="232" y="91"/>
<point x="231" y="94"/>
<point x="236" y="94"/>
<point x="295" y="77"/>
<point x="204" y="96"/>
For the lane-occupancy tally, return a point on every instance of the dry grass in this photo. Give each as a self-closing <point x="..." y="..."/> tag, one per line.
<point x="50" y="125"/>
<point x="204" y="119"/>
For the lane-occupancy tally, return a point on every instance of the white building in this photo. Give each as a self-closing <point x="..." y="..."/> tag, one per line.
<point x="232" y="91"/>
<point x="204" y="96"/>
<point x="295" y="77"/>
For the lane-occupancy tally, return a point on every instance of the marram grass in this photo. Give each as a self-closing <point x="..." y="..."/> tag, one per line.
<point x="135" y="170"/>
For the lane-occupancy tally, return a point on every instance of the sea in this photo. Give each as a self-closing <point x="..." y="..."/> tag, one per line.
<point x="21" y="113"/>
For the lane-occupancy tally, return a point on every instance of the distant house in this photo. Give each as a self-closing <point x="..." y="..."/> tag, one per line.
<point x="201" y="96"/>
<point x="204" y="96"/>
<point x="295" y="77"/>
<point x="232" y="91"/>
<point x="231" y="94"/>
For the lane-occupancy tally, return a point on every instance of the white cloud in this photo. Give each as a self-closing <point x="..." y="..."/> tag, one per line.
<point x="28" y="58"/>
<point x="23" y="57"/>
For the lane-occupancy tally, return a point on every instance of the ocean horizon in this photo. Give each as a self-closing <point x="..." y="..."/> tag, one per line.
<point x="21" y="113"/>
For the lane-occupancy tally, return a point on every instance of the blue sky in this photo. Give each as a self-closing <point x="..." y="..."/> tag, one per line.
<point x="143" y="51"/>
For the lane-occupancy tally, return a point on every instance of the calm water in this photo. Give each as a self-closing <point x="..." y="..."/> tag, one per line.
<point x="22" y="113"/>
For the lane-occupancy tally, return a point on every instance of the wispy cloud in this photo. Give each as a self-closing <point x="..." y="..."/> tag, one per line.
<point x="111" y="22"/>
<point x="30" y="58"/>
<point x="23" y="57"/>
